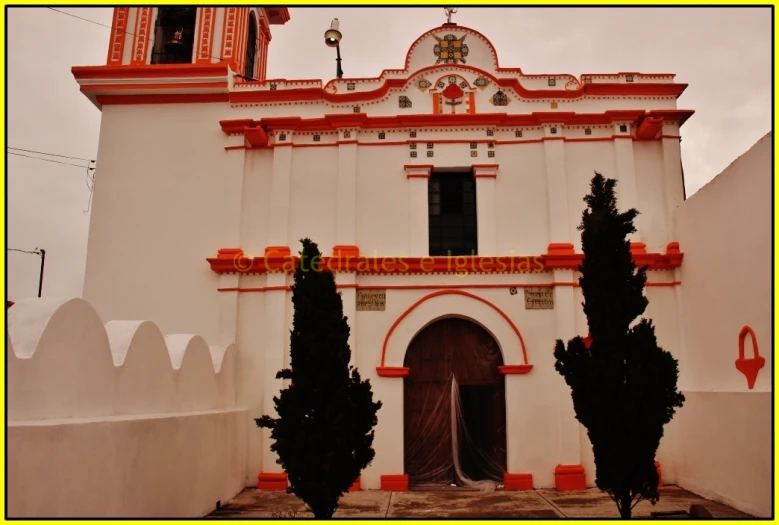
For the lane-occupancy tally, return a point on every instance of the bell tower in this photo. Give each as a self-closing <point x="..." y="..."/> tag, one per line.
<point x="169" y="35"/>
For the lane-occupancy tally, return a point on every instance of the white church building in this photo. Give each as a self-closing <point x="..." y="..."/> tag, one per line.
<point x="445" y="195"/>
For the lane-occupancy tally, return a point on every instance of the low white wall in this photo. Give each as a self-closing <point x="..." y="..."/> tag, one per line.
<point x="722" y="436"/>
<point x="117" y="420"/>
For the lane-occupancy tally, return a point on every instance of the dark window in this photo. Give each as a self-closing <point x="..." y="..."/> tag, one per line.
<point x="251" y="48"/>
<point x="174" y="35"/>
<point x="452" y="214"/>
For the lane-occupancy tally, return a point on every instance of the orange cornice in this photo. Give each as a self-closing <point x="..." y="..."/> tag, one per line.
<point x="558" y="256"/>
<point x="361" y="120"/>
<point x="150" y="71"/>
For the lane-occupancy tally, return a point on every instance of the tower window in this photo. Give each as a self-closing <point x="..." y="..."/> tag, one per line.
<point x="251" y="48"/>
<point x="174" y="35"/>
<point x="452" y="214"/>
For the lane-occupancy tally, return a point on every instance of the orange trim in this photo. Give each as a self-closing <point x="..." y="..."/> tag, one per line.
<point x="394" y="482"/>
<point x="451" y="292"/>
<point x="346" y="251"/>
<point x="485" y="176"/>
<point x="106" y="100"/>
<point x="150" y="71"/>
<point x="141" y="39"/>
<point x="118" y="35"/>
<point x="559" y="256"/>
<point x="133" y="87"/>
<point x="659" y="475"/>
<point x="392" y="371"/>
<point x="569" y="477"/>
<point x="356" y="485"/>
<point x="750" y="367"/>
<point x="517" y="481"/>
<point x="272" y="481"/>
<point x="514" y="369"/>
<point x="205" y="41"/>
<point x="228" y="33"/>
<point x="448" y="287"/>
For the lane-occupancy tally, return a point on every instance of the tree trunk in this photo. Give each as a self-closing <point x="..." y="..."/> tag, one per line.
<point x="625" y="507"/>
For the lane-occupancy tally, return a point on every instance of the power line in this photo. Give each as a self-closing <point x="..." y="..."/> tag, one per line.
<point x="51" y="154"/>
<point x="34" y="252"/>
<point x="126" y="32"/>
<point x="51" y="160"/>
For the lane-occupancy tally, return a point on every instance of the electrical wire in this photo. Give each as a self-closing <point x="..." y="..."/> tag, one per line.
<point x="35" y="252"/>
<point x="51" y="154"/>
<point x="134" y="34"/>
<point x="51" y="160"/>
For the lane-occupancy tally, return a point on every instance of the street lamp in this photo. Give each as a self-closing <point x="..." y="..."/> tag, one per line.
<point x="333" y="39"/>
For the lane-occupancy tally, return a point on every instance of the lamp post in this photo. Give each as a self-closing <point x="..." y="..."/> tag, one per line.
<point x="333" y="39"/>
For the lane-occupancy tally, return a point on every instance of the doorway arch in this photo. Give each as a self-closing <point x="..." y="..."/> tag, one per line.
<point x="454" y="406"/>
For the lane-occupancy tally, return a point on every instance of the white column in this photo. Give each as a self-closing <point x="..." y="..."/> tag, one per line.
<point x="346" y="212"/>
<point x="418" y="177"/>
<point x="278" y="231"/>
<point x="673" y="180"/>
<point x="569" y="443"/>
<point x="486" y="220"/>
<point x="557" y="186"/>
<point x="627" y="196"/>
<point x="273" y="358"/>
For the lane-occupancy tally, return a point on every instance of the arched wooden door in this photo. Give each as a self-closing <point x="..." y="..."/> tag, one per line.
<point x="461" y="349"/>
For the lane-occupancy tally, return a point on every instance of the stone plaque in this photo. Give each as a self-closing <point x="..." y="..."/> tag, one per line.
<point x="371" y="300"/>
<point x="539" y="298"/>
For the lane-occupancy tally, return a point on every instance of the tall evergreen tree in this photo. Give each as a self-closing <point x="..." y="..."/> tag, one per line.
<point x="324" y="433"/>
<point x="623" y="385"/>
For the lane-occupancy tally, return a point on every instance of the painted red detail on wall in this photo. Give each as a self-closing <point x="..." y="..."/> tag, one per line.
<point x="569" y="477"/>
<point x="394" y="482"/>
<point x="517" y="481"/>
<point x="749" y="366"/>
<point x="272" y="481"/>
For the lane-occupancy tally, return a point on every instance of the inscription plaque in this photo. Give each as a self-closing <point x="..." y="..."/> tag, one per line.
<point x="539" y="298"/>
<point x="371" y="300"/>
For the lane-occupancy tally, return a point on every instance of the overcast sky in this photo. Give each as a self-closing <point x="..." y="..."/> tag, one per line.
<point x="724" y="54"/>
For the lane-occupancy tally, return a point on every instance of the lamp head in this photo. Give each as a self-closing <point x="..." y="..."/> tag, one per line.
<point x="333" y="35"/>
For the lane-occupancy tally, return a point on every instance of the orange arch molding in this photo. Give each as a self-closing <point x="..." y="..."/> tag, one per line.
<point x="749" y="366"/>
<point x="384" y="371"/>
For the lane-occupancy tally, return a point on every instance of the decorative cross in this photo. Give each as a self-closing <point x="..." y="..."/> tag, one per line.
<point x="449" y="12"/>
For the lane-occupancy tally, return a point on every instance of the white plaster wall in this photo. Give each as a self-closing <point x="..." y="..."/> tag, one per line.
<point x="123" y="421"/>
<point x="313" y="197"/>
<point x="723" y="444"/>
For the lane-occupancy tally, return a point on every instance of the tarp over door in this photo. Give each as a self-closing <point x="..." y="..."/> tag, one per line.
<point x="458" y="348"/>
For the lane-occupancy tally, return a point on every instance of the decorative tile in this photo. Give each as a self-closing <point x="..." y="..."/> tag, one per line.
<point x="423" y="84"/>
<point x="450" y="49"/>
<point x="474" y="153"/>
<point x="553" y="104"/>
<point x="413" y="145"/>
<point x="430" y="153"/>
<point x="491" y="145"/>
<point x="350" y="86"/>
<point x="347" y="134"/>
<point x="518" y="133"/>
<point x="490" y="132"/>
<point x="430" y="145"/>
<point x="317" y="138"/>
<point x="463" y="84"/>
<point x="482" y="82"/>
<point x="628" y="78"/>
<point x="552" y="82"/>
<point x="553" y="130"/>
<point x="356" y="109"/>
<point x="499" y="99"/>
<point x="473" y="145"/>
<point x="273" y="87"/>
<point x="491" y="154"/>
<point x="413" y="154"/>
<point x="452" y="79"/>
<point x="413" y="134"/>
<point x="404" y="101"/>
<point x="587" y="80"/>
<point x="282" y="137"/>
<point x="382" y="135"/>
<point x="623" y="128"/>
<point x="441" y="85"/>
<point x="587" y="131"/>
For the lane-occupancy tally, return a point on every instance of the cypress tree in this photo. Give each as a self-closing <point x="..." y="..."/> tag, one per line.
<point x="623" y="385"/>
<point x="324" y="433"/>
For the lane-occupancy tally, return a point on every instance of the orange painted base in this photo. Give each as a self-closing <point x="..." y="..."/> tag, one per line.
<point x="659" y="475"/>
<point x="355" y="486"/>
<point x="272" y="481"/>
<point x="517" y="481"/>
<point x="569" y="477"/>
<point x="394" y="482"/>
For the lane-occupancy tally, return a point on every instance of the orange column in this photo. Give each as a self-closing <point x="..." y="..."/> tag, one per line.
<point x="141" y="38"/>
<point x="118" y="36"/>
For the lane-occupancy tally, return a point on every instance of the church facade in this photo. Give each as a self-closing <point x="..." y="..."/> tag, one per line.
<point x="445" y="196"/>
